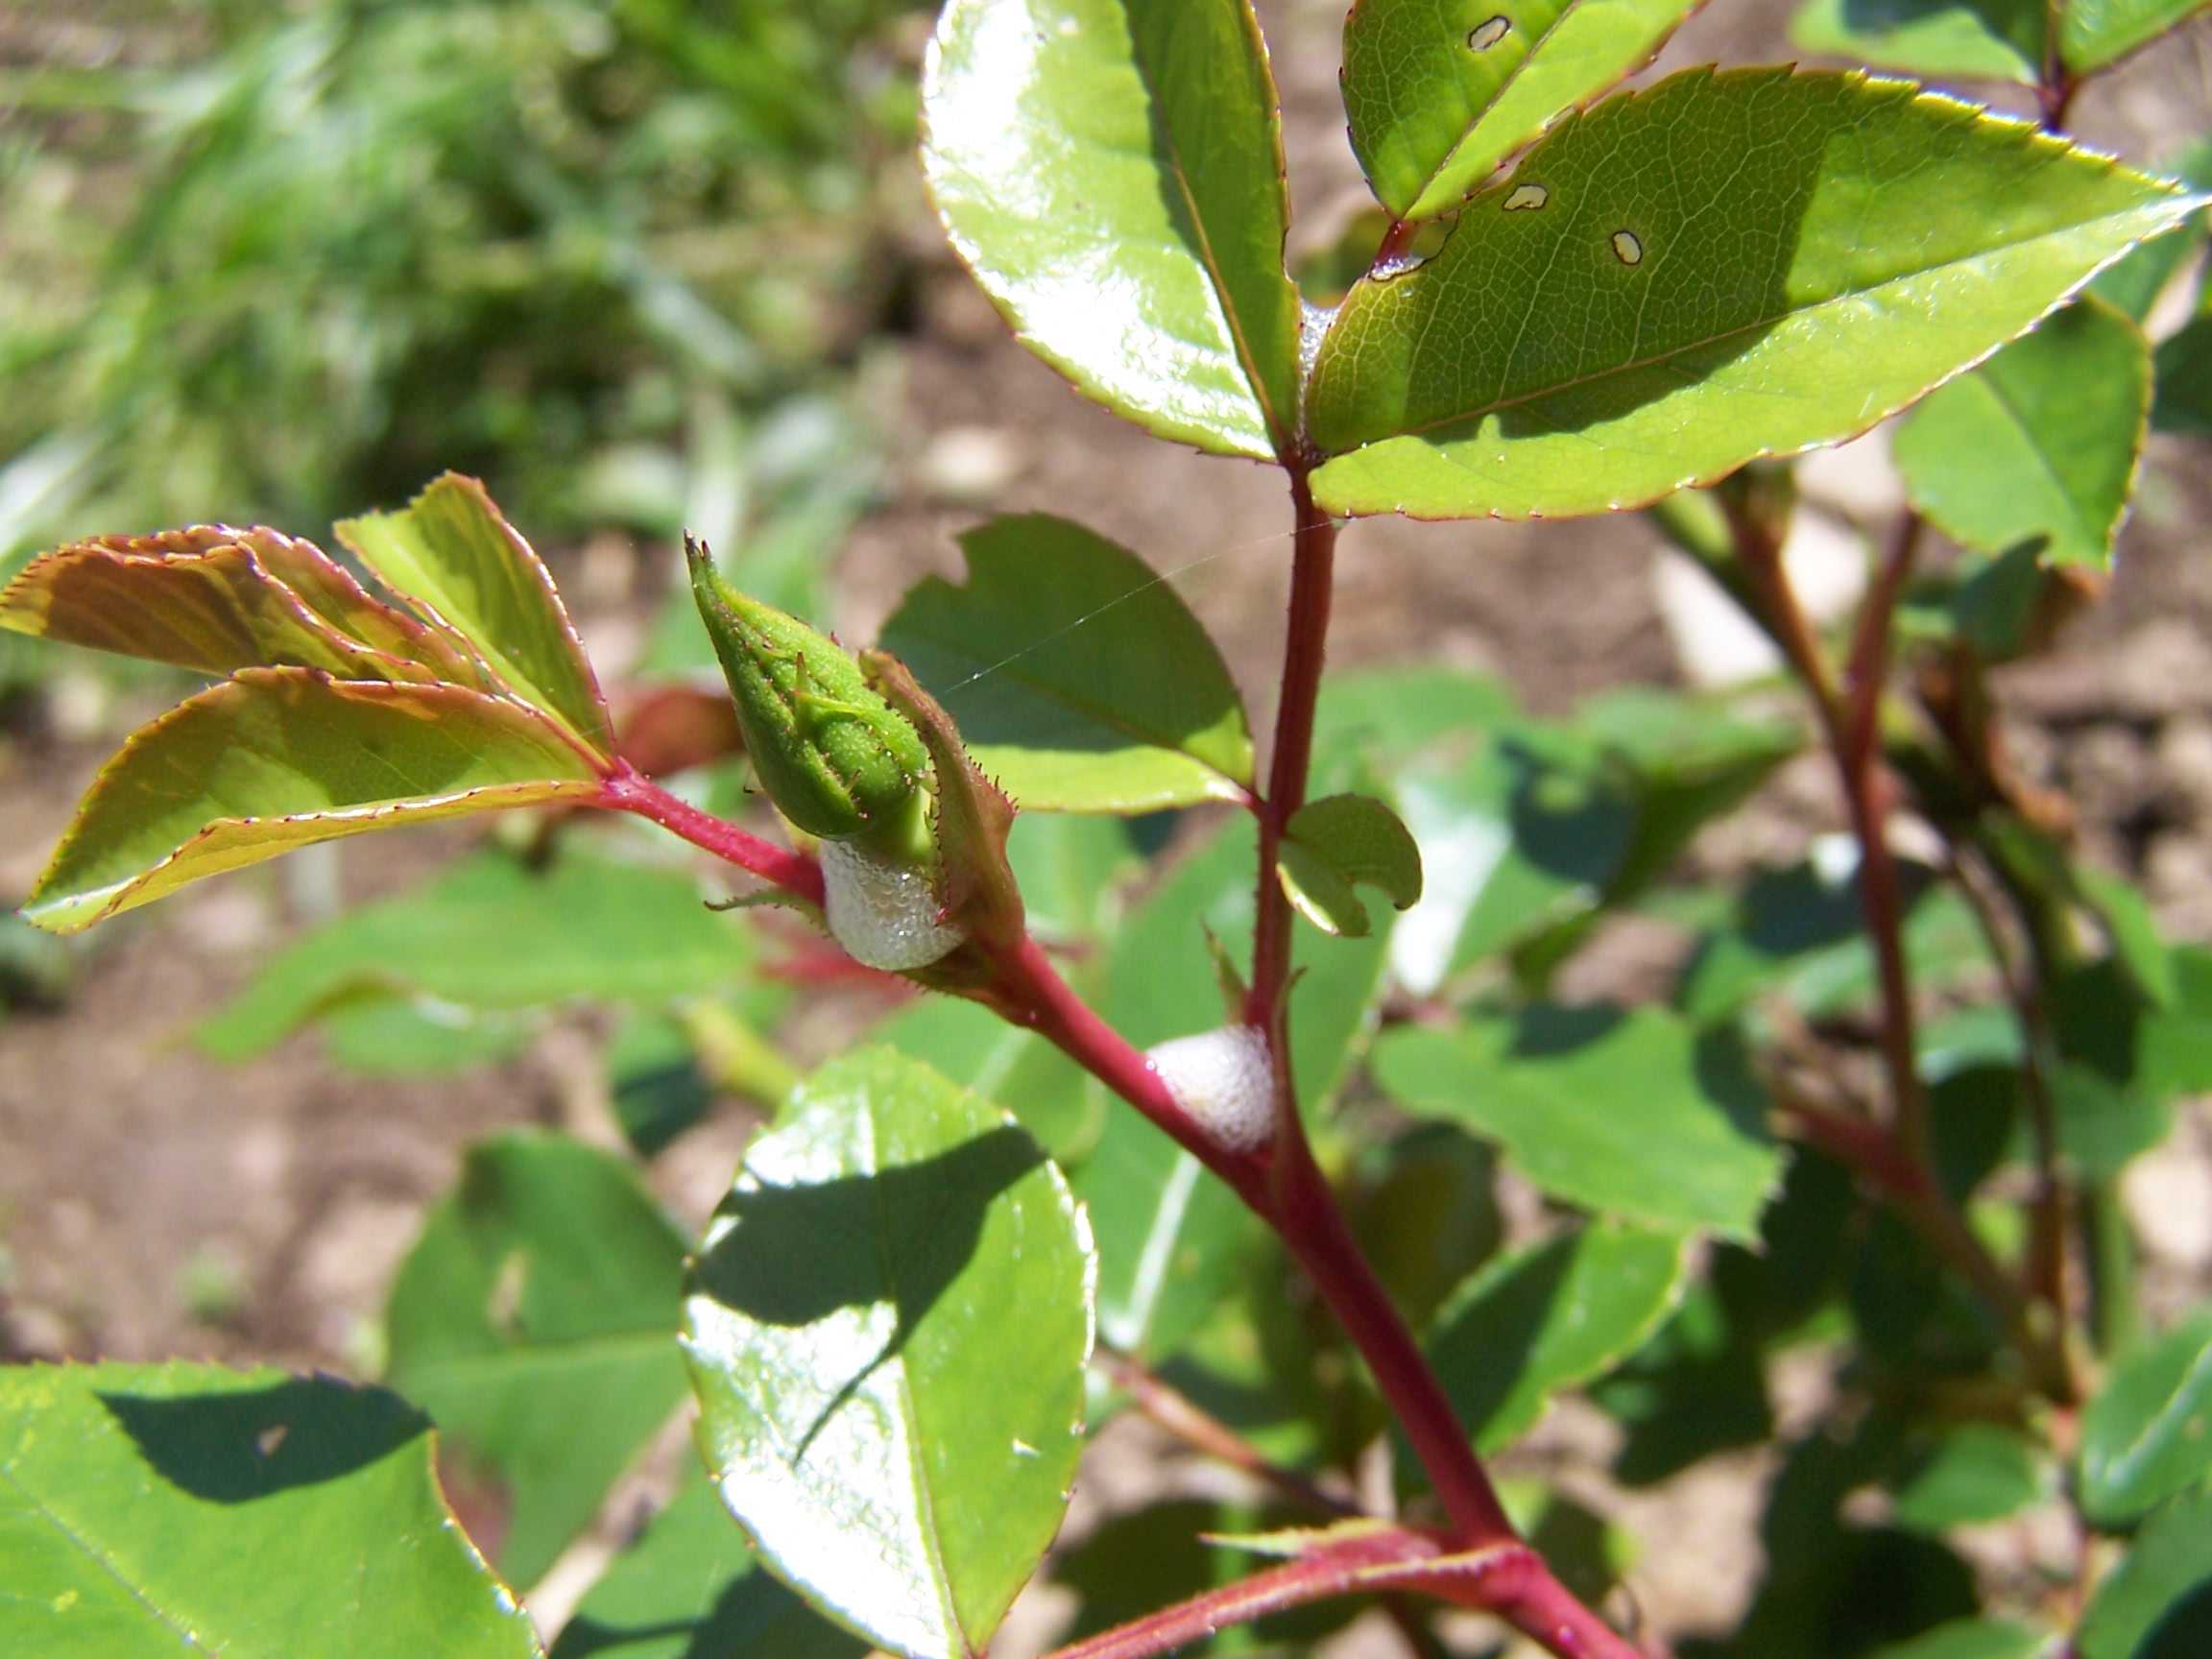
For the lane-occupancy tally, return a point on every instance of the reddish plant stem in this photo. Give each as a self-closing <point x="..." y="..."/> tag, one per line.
<point x="1866" y="797"/>
<point x="626" y="791"/>
<point x="1395" y="241"/>
<point x="2056" y="86"/>
<point x="1898" y="1160"/>
<point x="1314" y="1227"/>
<point x="1282" y="1183"/>
<point x="1305" y="648"/>
<point x="1508" y="1580"/>
<point x="1335" y="1570"/>
<point x="1199" y="1429"/>
<point x="1030" y="993"/>
<point x="1287" y="1191"/>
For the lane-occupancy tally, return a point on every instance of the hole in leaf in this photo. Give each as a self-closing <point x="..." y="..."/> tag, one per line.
<point x="1484" y="35"/>
<point x="1526" y="197"/>
<point x="1627" y="248"/>
<point x="271" y="1438"/>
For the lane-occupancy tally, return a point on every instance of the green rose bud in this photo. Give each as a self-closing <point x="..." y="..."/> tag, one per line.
<point x="837" y="760"/>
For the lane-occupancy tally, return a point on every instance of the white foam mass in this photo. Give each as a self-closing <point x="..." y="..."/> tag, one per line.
<point x="1225" y="1080"/>
<point x="883" y="912"/>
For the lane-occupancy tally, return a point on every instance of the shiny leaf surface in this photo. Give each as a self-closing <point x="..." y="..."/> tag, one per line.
<point x="1630" y="1113"/>
<point x="1598" y="332"/>
<point x="1079" y="680"/>
<point x="452" y="554"/>
<point x="536" y="1321"/>
<point x="276" y="758"/>
<point x="160" y="1508"/>
<point x="689" y="1587"/>
<point x="1440" y="91"/>
<point x="1112" y="171"/>
<point x="2041" y="440"/>
<point x="1552" y="1318"/>
<point x="887" y="1324"/>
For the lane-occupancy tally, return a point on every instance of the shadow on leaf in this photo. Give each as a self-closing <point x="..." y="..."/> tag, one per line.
<point x="234" y="1447"/>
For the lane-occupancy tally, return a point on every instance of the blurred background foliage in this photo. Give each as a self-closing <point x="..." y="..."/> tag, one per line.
<point x="275" y="263"/>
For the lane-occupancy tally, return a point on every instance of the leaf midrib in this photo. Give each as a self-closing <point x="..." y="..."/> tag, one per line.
<point x="1278" y="434"/>
<point x="2094" y="535"/>
<point x="1660" y="359"/>
<point x="1496" y="95"/>
<point x="45" y="1511"/>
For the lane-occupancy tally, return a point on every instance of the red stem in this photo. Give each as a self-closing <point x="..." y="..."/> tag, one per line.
<point x="1313" y="577"/>
<point x="1508" y="1580"/>
<point x="1314" y="1227"/>
<point x="1866" y="798"/>
<point x="1282" y="1183"/>
<point x="1031" y="993"/>
<point x="1187" y="1421"/>
<point x="626" y="791"/>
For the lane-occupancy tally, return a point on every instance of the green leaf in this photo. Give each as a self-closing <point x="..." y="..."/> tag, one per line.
<point x="1339" y="842"/>
<point x="1140" y="253"/>
<point x="1055" y="1100"/>
<point x="1645" y="329"/>
<point x="1553" y="1317"/>
<point x="887" y="1324"/>
<point x="1799" y="932"/>
<point x="1380" y="718"/>
<point x="1171" y="1238"/>
<point x="2184" y="367"/>
<point x="276" y="758"/>
<point x="1078" y="678"/>
<point x="2095" y="32"/>
<point x="2157" y="1602"/>
<point x="1970" y="40"/>
<point x="1440" y="91"/>
<point x="492" y="932"/>
<point x="1074" y="873"/>
<point x="1972" y="1638"/>
<point x="1630" y="1113"/>
<point x="690" y="1587"/>
<point x="2136" y="283"/>
<point x="1426" y="1214"/>
<point x="376" y="1035"/>
<point x="1521" y="836"/>
<point x="1161" y="982"/>
<point x="655" y="1084"/>
<point x="536" y="1321"/>
<point x="2125" y="913"/>
<point x="2041" y="440"/>
<point x="216" y="600"/>
<point x="2116" y="1080"/>
<point x="1976" y="1472"/>
<point x="155" y="1508"/>
<point x="1697" y="1389"/>
<point x="2148" y="1434"/>
<point x="452" y="554"/>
